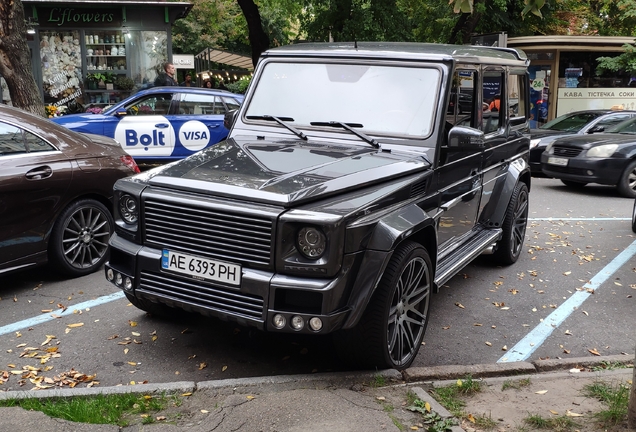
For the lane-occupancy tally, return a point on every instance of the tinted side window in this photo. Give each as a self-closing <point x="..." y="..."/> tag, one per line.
<point x="157" y="104"/>
<point x="231" y="103"/>
<point x="11" y="140"/>
<point x="37" y="144"/>
<point x="201" y="104"/>
<point x="612" y="120"/>
<point x="494" y="94"/>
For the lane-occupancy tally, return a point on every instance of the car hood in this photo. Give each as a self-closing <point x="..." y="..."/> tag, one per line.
<point x="587" y="141"/>
<point x="547" y="136"/>
<point x="283" y="172"/>
<point x="83" y="118"/>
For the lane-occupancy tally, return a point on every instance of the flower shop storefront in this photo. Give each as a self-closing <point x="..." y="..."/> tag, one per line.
<point x="95" y="54"/>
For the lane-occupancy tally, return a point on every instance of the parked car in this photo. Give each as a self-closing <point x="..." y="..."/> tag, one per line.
<point x="574" y="123"/>
<point x="55" y="194"/>
<point x="161" y="124"/>
<point x="462" y="101"/>
<point x="317" y="216"/>
<point x="607" y="158"/>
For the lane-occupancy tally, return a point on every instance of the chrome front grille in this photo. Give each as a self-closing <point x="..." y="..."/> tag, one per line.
<point x="566" y="151"/>
<point x="202" y="228"/>
<point x="212" y="297"/>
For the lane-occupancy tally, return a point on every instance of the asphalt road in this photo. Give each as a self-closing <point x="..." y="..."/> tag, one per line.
<point x="486" y="314"/>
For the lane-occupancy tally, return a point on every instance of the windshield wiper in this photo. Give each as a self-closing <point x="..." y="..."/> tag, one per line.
<point x="350" y="128"/>
<point x="281" y="121"/>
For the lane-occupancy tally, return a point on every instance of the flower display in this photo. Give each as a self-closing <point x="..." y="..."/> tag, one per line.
<point x="51" y="111"/>
<point x="94" y="110"/>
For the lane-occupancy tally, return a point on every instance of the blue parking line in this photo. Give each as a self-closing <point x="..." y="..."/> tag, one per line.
<point x="526" y="346"/>
<point x="30" y="322"/>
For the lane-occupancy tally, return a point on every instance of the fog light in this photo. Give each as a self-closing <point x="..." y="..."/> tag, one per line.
<point x="118" y="279"/>
<point x="279" y="321"/>
<point x="110" y="274"/>
<point x="297" y="322"/>
<point x="128" y="283"/>
<point x="315" y="324"/>
<point x="590" y="172"/>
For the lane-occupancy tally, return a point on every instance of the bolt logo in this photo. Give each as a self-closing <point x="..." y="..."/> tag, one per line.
<point x="145" y="136"/>
<point x="194" y="135"/>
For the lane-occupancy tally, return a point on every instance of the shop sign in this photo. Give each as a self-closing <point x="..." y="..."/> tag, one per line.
<point x="79" y="17"/>
<point x="538" y="84"/>
<point x="577" y="99"/>
<point x="183" y="61"/>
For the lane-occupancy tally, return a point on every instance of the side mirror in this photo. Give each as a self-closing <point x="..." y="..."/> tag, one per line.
<point x="596" y="129"/>
<point x="230" y="118"/>
<point x="465" y="138"/>
<point x="121" y="113"/>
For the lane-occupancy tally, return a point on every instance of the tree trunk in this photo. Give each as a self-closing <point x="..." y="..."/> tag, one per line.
<point x="631" y="410"/>
<point x="15" y="59"/>
<point x="259" y="40"/>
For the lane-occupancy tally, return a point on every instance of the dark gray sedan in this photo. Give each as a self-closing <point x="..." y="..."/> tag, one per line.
<point x="606" y="158"/>
<point x="55" y="194"/>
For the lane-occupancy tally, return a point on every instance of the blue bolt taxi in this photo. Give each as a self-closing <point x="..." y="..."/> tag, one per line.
<point x="161" y="124"/>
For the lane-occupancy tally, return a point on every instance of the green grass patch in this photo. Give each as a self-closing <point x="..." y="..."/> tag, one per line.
<point x="100" y="409"/>
<point x="515" y="384"/>
<point x="556" y="424"/>
<point x="607" y="365"/>
<point x="378" y="381"/>
<point x="450" y="396"/>
<point x="485" y="422"/>
<point x="615" y="396"/>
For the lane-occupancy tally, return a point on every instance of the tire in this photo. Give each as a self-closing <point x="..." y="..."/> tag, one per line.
<point x="79" y="240"/>
<point x="154" y="309"/>
<point x="573" y="184"/>
<point x="634" y="217"/>
<point x="514" y="227"/>
<point x="627" y="183"/>
<point x="391" y="330"/>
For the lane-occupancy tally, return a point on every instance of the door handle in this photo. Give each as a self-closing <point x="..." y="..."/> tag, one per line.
<point x="39" y="173"/>
<point x="162" y="125"/>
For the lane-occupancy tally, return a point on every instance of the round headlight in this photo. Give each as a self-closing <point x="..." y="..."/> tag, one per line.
<point x="128" y="209"/>
<point x="311" y="242"/>
<point x="297" y="322"/>
<point x="279" y="321"/>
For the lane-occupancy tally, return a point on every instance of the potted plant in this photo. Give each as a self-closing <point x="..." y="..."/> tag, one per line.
<point x="124" y="83"/>
<point x="95" y="80"/>
<point x="109" y="78"/>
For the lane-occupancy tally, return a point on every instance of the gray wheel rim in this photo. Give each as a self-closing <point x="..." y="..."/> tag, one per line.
<point x="631" y="179"/>
<point x="408" y="311"/>
<point x="520" y="222"/>
<point x="85" y="239"/>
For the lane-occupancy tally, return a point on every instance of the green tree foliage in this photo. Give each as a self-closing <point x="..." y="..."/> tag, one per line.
<point x="625" y="62"/>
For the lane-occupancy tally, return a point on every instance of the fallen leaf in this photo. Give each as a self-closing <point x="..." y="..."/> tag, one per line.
<point x="567" y="332"/>
<point x="459" y="305"/>
<point x="154" y="337"/>
<point x="202" y="366"/>
<point x="575" y="370"/>
<point x="541" y="392"/>
<point x="587" y="314"/>
<point x="488" y="343"/>
<point x="594" y="351"/>
<point x="619" y="284"/>
<point x="132" y="363"/>
<point x="224" y="368"/>
<point x="132" y="323"/>
<point x="74" y="325"/>
<point x="567" y="351"/>
<point x="47" y="310"/>
<point x="567" y="273"/>
<point x="126" y="350"/>
<point x="415" y="427"/>
<point x="135" y="334"/>
<point x="49" y="338"/>
<point x="470" y="418"/>
<point x="250" y="397"/>
<point x="205" y="411"/>
<point x="381" y="398"/>
<point x="160" y="418"/>
<point x="572" y="414"/>
<point x="477" y="325"/>
<point x="504" y="348"/>
<point x="186" y="394"/>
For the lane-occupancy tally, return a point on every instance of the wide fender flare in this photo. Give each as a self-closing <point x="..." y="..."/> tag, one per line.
<point x="389" y="232"/>
<point x="518" y="170"/>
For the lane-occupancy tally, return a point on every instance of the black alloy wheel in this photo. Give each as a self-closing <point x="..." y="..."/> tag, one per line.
<point x="627" y="183"/>
<point x="79" y="242"/>
<point x="514" y="227"/>
<point x="391" y="330"/>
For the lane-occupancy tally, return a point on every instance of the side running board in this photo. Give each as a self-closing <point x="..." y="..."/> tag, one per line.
<point x="452" y="263"/>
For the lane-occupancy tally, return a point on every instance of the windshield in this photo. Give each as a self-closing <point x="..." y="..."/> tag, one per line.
<point x="572" y="122"/>
<point x="387" y="100"/>
<point x="627" y="127"/>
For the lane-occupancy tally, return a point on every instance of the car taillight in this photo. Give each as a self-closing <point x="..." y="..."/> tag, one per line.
<point x="130" y="163"/>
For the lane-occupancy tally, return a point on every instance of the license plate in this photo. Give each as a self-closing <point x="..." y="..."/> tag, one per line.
<point x="557" y="161"/>
<point x="201" y="268"/>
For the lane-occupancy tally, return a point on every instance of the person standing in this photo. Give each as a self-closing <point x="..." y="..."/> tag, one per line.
<point x="167" y="78"/>
<point x="187" y="82"/>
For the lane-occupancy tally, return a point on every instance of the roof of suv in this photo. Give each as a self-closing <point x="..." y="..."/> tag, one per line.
<point x="405" y="50"/>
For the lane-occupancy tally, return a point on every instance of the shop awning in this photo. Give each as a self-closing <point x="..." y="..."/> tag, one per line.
<point x="223" y="57"/>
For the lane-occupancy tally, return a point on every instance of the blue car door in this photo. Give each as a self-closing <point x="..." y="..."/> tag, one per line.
<point x="145" y="131"/>
<point x="198" y="122"/>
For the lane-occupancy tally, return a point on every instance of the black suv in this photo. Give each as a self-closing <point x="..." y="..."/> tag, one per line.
<point x="343" y="198"/>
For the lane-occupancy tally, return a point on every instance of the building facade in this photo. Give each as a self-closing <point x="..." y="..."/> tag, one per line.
<point x="564" y="75"/>
<point x="98" y="52"/>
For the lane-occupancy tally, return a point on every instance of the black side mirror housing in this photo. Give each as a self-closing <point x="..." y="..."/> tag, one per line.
<point x="230" y="118"/>
<point x="465" y="138"/>
<point x="596" y="129"/>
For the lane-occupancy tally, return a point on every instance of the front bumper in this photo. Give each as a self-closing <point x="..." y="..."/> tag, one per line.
<point x="262" y="294"/>
<point x="586" y="170"/>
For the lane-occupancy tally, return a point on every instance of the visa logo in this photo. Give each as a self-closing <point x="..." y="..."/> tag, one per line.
<point x="195" y="135"/>
<point x="157" y="138"/>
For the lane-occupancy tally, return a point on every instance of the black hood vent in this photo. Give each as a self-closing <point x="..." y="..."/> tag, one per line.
<point x="419" y="187"/>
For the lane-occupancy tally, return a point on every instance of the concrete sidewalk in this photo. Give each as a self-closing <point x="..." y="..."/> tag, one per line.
<point x="362" y="401"/>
